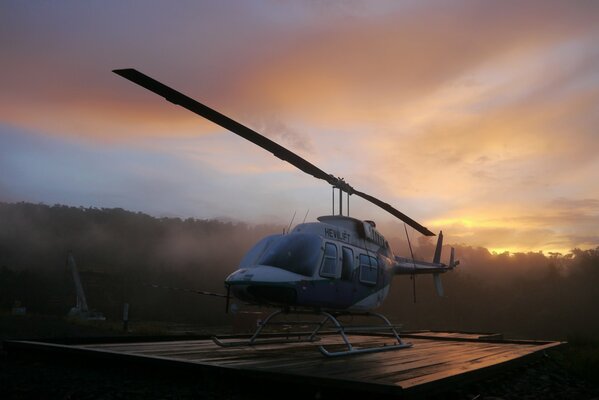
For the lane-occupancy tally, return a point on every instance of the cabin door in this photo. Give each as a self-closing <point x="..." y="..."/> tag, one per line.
<point x="346" y="285"/>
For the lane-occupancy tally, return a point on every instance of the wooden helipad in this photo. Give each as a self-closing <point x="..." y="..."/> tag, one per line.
<point x="436" y="358"/>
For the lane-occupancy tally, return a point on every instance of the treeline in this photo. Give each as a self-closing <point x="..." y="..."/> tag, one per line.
<point x="526" y="295"/>
<point x="119" y="252"/>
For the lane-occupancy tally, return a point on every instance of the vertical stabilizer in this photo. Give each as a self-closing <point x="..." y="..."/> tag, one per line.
<point x="437" y="257"/>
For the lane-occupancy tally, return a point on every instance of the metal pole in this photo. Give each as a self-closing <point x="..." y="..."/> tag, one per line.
<point x="125" y="317"/>
<point x="81" y="301"/>
<point x="413" y="262"/>
<point x="228" y="298"/>
<point x="348" y="204"/>
<point x="333" y="200"/>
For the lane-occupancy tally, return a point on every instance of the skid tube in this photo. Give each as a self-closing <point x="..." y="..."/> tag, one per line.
<point x="311" y="336"/>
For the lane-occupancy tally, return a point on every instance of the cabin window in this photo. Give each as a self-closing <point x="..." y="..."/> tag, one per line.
<point x="329" y="262"/>
<point x="368" y="269"/>
<point x="347" y="263"/>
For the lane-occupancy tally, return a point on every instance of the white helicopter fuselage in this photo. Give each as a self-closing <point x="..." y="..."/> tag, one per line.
<point x="338" y="263"/>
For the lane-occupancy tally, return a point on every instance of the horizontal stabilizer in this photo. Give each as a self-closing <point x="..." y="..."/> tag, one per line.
<point x="408" y="266"/>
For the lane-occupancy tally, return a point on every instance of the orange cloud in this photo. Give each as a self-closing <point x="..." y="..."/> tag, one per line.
<point x="466" y="115"/>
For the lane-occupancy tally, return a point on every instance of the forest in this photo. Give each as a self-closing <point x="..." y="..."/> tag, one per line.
<point x="120" y="253"/>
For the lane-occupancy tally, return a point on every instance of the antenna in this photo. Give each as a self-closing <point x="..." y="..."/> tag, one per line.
<point x="413" y="263"/>
<point x="306" y="216"/>
<point x="292" y="218"/>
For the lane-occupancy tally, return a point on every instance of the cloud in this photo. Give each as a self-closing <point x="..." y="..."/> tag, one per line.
<point x="364" y="68"/>
<point x="577" y="204"/>
<point x="351" y="65"/>
<point x="273" y="128"/>
<point x="478" y="115"/>
<point x="559" y="224"/>
<point x="5" y="194"/>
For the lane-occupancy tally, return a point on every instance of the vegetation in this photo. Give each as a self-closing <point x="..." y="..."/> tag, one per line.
<point x="118" y="254"/>
<point x="528" y="295"/>
<point x="581" y="356"/>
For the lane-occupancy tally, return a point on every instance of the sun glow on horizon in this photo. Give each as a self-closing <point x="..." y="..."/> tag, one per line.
<point x="502" y="235"/>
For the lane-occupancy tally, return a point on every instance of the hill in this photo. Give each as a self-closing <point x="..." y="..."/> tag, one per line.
<point x="529" y="295"/>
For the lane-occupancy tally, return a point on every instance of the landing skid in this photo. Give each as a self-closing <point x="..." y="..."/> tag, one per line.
<point x="311" y="336"/>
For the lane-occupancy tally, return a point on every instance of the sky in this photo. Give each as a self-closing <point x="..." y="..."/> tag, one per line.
<point x="478" y="118"/>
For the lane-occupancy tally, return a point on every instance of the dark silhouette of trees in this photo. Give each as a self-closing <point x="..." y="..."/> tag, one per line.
<point x="118" y="253"/>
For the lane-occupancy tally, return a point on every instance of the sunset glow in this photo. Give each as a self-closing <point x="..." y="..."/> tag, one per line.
<point x="477" y="118"/>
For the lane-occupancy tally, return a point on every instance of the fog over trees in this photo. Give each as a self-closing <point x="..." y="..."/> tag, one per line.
<point x="531" y="295"/>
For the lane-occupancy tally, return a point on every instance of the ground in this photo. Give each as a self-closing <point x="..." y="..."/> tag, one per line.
<point x="562" y="373"/>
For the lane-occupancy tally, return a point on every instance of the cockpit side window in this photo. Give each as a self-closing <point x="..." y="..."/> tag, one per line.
<point x="330" y="266"/>
<point x="368" y="269"/>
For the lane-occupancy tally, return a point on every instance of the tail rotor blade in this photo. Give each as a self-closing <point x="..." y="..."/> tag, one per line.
<point x="438" y="284"/>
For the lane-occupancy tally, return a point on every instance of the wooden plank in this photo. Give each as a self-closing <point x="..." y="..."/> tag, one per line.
<point x="456" y="368"/>
<point x="404" y="366"/>
<point x="372" y="366"/>
<point x="435" y="357"/>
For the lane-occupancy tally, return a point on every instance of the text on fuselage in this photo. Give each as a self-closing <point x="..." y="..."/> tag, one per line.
<point x="338" y="235"/>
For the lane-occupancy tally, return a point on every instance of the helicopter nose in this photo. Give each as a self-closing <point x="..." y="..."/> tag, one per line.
<point x="264" y="284"/>
<point x="273" y="294"/>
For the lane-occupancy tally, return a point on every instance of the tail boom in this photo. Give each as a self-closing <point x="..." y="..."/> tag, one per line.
<point x="408" y="266"/>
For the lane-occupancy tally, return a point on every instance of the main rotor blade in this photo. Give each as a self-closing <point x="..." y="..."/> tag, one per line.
<point x="276" y="149"/>
<point x="194" y="106"/>
<point x="393" y="211"/>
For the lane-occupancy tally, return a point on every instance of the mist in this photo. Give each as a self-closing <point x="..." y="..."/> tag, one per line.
<point x="119" y="253"/>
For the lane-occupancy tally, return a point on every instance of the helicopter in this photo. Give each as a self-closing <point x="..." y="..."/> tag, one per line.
<point x="338" y="266"/>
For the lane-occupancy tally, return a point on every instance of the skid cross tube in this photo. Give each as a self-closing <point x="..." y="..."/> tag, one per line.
<point x="399" y="344"/>
<point x="254" y="341"/>
<point x="311" y="336"/>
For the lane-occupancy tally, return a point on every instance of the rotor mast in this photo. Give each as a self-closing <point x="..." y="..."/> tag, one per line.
<point x="343" y="187"/>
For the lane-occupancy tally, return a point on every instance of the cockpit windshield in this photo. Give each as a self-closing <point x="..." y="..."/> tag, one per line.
<point x="299" y="253"/>
<point x="251" y="257"/>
